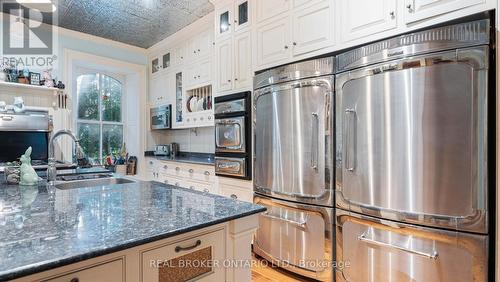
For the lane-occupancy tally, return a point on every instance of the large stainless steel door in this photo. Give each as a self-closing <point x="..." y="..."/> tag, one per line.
<point x="292" y="139"/>
<point x="371" y="249"/>
<point x="296" y="236"/>
<point x="413" y="143"/>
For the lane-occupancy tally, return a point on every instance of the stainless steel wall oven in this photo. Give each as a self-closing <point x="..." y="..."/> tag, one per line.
<point x="233" y="135"/>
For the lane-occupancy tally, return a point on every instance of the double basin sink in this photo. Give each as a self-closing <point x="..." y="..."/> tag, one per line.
<point x="89" y="180"/>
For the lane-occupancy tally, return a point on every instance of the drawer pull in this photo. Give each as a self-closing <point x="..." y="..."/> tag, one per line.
<point x="233" y="196"/>
<point x="177" y="184"/>
<point x="166" y="181"/>
<point x="301" y="224"/>
<point x="206" y="190"/>
<point x="191" y="170"/>
<point x="180" y="249"/>
<point x="75" y="280"/>
<point x="434" y="255"/>
<point x="207" y="173"/>
<point x="165" y="166"/>
<point x="191" y="187"/>
<point x="177" y="168"/>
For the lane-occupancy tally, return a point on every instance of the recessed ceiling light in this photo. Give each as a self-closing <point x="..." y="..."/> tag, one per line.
<point x="35" y="4"/>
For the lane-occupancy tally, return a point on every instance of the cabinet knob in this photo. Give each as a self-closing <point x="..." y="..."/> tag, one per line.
<point x="191" y="187"/>
<point x="229" y="80"/>
<point x="233" y="196"/>
<point x="199" y="76"/>
<point x="392" y="14"/>
<point x="166" y="181"/>
<point x="199" y="50"/>
<point x="177" y="184"/>
<point x="207" y="173"/>
<point x="286" y="46"/>
<point x="74" y="280"/>
<point x="409" y="7"/>
<point x="194" y="119"/>
<point x="165" y="166"/>
<point x="236" y="79"/>
<point x="209" y="117"/>
<point x="177" y="168"/>
<point x="150" y="162"/>
<point x="206" y="190"/>
<point x="294" y="43"/>
<point x="191" y="170"/>
<point x="202" y="118"/>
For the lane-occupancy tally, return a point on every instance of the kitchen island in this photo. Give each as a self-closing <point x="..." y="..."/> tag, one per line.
<point x="140" y="231"/>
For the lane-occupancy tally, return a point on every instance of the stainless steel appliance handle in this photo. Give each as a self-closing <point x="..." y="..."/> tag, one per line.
<point x="228" y="165"/>
<point x="434" y="255"/>
<point x="301" y="224"/>
<point x="350" y="140"/>
<point x="315" y="140"/>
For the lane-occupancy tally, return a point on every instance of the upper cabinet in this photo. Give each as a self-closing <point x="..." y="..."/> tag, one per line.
<point x="360" y="18"/>
<point x="306" y="28"/>
<point x="266" y="10"/>
<point x="242" y="15"/>
<point x="416" y="10"/>
<point x="231" y="16"/>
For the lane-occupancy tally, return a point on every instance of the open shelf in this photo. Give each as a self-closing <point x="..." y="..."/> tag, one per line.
<point x="28" y="86"/>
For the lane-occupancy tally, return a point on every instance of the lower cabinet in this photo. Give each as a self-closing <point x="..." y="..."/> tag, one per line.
<point x="198" y="258"/>
<point x="110" y="272"/>
<point x="237" y="189"/>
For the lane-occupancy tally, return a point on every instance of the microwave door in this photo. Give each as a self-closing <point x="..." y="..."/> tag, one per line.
<point x="292" y="139"/>
<point x="410" y="145"/>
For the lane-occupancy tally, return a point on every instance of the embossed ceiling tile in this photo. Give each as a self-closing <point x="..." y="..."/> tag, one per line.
<point x="138" y="22"/>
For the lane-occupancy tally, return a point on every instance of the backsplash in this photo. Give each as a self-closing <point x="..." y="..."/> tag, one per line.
<point x="199" y="140"/>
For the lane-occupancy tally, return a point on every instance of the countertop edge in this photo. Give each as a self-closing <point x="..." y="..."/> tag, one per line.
<point x="33" y="269"/>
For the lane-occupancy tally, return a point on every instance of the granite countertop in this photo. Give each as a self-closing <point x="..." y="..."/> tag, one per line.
<point x="186" y="157"/>
<point x="43" y="227"/>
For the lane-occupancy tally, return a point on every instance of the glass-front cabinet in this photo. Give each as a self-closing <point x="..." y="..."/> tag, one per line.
<point x="178" y="99"/>
<point x="155" y="65"/>
<point x="242" y="18"/>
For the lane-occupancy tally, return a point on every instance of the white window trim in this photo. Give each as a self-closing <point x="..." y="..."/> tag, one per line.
<point x="100" y="122"/>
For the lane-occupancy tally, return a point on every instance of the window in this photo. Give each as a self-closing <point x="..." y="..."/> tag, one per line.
<point x="99" y="115"/>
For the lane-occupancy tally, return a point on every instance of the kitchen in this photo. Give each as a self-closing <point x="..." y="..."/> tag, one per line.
<point x="321" y="140"/>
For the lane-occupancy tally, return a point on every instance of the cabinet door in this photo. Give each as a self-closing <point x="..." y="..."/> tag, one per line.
<point x="201" y="45"/>
<point x="242" y="14"/>
<point x="170" y="88"/>
<point x="235" y="192"/>
<point x="188" y="260"/>
<point x="360" y="18"/>
<point x="273" y="41"/>
<point x="313" y="28"/>
<point x="224" y="20"/>
<point x="266" y="9"/>
<point x="416" y="10"/>
<point x="180" y="54"/>
<point x="156" y="89"/>
<point x="224" y="65"/>
<point x="243" y="60"/>
<point x="155" y="65"/>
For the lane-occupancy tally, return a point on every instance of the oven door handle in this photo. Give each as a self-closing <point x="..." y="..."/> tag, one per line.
<point x="434" y="255"/>
<point x="350" y="139"/>
<point x="301" y="224"/>
<point x="314" y="141"/>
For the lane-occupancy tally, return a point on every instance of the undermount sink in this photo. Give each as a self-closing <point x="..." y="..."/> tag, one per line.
<point x="92" y="183"/>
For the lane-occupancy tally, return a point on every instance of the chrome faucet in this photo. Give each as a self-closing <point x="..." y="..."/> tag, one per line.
<point x="51" y="170"/>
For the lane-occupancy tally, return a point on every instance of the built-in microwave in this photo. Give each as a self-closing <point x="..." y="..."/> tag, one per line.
<point x="161" y="117"/>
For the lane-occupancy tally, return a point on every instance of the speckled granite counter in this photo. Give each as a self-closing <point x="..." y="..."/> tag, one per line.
<point x="43" y="228"/>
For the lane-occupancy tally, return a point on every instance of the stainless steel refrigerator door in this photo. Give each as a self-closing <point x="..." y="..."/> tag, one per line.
<point x="411" y="140"/>
<point x="296" y="237"/>
<point x="371" y="249"/>
<point x="292" y="140"/>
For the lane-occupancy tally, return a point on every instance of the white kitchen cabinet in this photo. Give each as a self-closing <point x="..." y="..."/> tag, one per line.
<point x="236" y="192"/>
<point x="224" y="57"/>
<point x="158" y="89"/>
<point x="201" y="45"/>
<point x="313" y="28"/>
<point x="200" y="250"/>
<point x="110" y="272"/>
<point x="242" y="55"/>
<point x="267" y="9"/>
<point x="416" y="10"/>
<point x="273" y="41"/>
<point x="180" y="54"/>
<point x="360" y="18"/>
<point x="242" y="17"/>
<point x="199" y="73"/>
<point x="224" y="19"/>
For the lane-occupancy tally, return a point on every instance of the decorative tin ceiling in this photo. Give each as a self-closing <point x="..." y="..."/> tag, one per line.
<point x="140" y="23"/>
